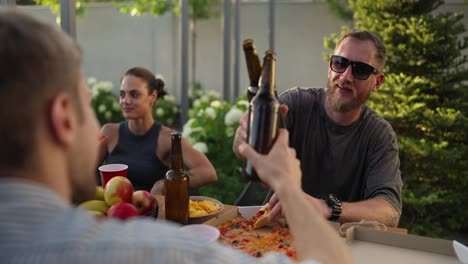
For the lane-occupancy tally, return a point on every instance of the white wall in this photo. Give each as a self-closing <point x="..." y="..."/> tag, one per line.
<point x="113" y="42"/>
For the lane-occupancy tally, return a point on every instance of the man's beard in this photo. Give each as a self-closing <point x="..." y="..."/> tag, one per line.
<point x="345" y="106"/>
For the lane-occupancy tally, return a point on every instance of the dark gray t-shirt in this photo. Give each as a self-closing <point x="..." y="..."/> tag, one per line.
<point x="355" y="162"/>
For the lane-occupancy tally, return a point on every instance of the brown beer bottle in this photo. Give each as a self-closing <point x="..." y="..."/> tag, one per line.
<point x="264" y="114"/>
<point x="254" y="68"/>
<point x="176" y="185"/>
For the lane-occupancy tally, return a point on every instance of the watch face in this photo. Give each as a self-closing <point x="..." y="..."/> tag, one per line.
<point x="334" y="199"/>
<point x="335" y="204"/>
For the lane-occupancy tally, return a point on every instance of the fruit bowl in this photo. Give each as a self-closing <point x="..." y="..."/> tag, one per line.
<point x="153" y="213"/>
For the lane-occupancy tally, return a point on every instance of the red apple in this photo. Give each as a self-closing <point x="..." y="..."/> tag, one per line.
<point x="118" y="189"/>
<point x="144" y="201"/>
<point x="122" y="211"/>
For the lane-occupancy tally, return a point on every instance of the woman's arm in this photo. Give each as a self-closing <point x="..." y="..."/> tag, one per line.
<point x="200" y="169"/>
<point x="109" y="140"/>
<point x="103" y="142"/>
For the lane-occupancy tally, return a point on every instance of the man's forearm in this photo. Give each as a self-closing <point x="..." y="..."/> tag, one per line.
<point x="314" y="237"/>
<point x="375" y="209"/>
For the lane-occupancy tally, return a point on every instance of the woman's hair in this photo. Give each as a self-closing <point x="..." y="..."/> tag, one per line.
<point x="154" y="84"/>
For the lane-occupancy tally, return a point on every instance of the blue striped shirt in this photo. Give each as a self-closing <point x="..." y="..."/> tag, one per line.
<point x="37" y="226"/>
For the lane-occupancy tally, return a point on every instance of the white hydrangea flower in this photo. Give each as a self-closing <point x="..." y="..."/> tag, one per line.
<point x="175" y="109"/>
<point x="215" y="104"/>
<point x="169" y="98"/>
<point x="201" y="146"/>
<point x="108" y="115"/>
<point x="102" y="108"/>
<point x="186" y="133"/>
<point x="233" y="116"/>
<point x="229" y="131"/>
<point x="105" y="86"/>
<point x="92" y="81"/>
<point x="159" y="112"/>
<point x="188" y="125"/>
<point x="201" y="112"/>
<point x="214" y="94"/>
<point x="243" y="103"/>
<point x="210" y="112"/>
<point x="196" y="103"/>
<point x="204" y="98"/>
<point x="115" y="106"/>
<point x="187" y="129"/>
<point x="94" y="91"/>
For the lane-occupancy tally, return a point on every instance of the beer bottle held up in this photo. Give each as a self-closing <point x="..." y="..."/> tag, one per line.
<point x="264" y="114"/>
<point x="176" y="185"/>
<point x="254" y="68"/>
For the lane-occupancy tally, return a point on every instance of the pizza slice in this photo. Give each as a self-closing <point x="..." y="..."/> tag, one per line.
<point x="261" y="217"/>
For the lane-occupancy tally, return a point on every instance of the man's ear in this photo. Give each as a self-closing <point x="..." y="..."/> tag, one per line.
<point x="62" y="120"/>
<point x="378" y="82"/>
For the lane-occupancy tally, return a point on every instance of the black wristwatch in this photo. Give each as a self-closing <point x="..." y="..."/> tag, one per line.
<point x="335" y="204"/>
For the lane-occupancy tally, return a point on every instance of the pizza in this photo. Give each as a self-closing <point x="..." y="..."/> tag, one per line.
<point x="261" y="217"/>
<point x="242" y="234"/>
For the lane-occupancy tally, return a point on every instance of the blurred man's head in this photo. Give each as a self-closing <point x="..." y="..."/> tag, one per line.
<point x="45" y="104"/>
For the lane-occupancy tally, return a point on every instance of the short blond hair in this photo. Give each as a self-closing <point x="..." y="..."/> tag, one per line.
<point x="364" y="35"/>
<point x="37" y="61"/>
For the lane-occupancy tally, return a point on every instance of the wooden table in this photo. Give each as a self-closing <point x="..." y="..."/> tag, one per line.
<point x="227" y="212"/>
<point x="162" y="211"/>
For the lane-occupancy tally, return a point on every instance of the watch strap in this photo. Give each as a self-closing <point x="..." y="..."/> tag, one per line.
<point x="335" y="204"/>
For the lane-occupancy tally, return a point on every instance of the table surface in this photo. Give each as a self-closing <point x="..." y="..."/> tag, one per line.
<point x="162" y="211"/>
<point x="227" y="208"/>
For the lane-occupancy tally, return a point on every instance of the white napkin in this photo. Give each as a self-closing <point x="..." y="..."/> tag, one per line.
<point x="461" y="251"/>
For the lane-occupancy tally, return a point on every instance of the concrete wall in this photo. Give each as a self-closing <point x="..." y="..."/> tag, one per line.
<point x="113" y="42"/>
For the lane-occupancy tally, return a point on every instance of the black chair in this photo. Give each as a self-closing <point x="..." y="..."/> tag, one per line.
<point x="254" y="193"/>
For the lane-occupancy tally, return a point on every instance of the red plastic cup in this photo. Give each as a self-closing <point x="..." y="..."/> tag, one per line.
<point x="109" y="171"/>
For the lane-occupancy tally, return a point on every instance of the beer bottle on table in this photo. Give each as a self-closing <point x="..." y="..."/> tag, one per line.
<point x="264" y="114"/>
<point x="254" y="68"/>
<point x="176" y="185"/>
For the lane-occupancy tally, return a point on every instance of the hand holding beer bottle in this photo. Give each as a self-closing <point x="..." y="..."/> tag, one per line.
<point x="264" y="114"/>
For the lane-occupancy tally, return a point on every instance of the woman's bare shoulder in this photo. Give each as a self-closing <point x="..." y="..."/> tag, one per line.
<point x="109" y="129"/>
<point x="165" y="132"/>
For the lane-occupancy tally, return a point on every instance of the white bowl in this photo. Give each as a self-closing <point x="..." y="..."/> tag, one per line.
<point x="206" y="232"/>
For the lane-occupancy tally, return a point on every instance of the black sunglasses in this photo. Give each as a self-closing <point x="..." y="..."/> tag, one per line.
<point x="361" y="70"/>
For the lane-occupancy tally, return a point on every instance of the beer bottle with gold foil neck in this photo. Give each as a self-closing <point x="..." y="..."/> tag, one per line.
<point x="264" y="114"/>
<point x="176" y="185"/>
<point x="254" y="68"/>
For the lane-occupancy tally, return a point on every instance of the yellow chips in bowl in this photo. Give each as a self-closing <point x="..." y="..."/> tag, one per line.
<point x="202" y="208"/>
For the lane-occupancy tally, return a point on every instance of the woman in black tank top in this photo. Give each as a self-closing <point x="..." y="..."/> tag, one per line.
<point x="144" y="144"/>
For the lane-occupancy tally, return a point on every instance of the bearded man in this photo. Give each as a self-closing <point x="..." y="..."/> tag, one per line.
<point x="348" y="153"/>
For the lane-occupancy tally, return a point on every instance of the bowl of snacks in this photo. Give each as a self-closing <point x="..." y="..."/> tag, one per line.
<point x="202" y="208"/>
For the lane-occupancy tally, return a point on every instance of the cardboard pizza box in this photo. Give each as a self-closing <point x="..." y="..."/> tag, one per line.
<point x="373" y="246"/>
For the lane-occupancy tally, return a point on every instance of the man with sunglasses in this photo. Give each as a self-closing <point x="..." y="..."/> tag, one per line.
<point x="349" y="154"/>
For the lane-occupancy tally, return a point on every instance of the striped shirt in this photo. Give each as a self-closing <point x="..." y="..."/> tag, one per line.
<point x="37" y="226"/>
